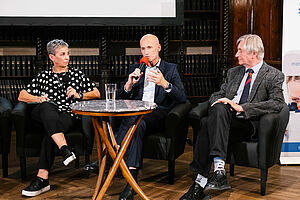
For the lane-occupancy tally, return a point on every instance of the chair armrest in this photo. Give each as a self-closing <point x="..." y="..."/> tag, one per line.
<point x="20" y="109"/>
<point x="270" y="136"/>
<point x="199" y="111"/>
<point x="5" y="124"/>
<point x="5" y="106"/>
<point x="21" y="115"/>
<point x="177" y="119"/>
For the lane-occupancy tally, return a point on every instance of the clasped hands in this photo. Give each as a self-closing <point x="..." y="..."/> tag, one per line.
<point x="70" y="92"/>
<point x="233" y="105"/>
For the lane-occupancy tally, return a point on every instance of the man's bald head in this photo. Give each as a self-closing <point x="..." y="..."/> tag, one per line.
<point x="150" y="48"/>
<point x="150" y="37"/>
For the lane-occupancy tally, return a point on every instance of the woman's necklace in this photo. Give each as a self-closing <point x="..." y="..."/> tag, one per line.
<point x="56" y="76"/>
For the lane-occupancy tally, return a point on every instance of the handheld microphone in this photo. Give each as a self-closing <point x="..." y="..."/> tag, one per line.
<point x="142" y="66"/>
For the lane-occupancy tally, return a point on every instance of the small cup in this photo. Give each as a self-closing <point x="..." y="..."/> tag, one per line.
<point x="110" y="91"/>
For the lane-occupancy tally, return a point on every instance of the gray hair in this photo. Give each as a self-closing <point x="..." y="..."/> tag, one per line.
<point x="253" y="43"/>
<point x="55" y="44"/>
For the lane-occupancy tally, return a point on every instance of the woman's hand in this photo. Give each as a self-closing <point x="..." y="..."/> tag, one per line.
<point x="43" y="98"/>
<point x="72" y="92"/>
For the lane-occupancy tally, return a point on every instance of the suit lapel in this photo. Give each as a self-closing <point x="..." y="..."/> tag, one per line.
<point x="162" y="70"/>
<point x="261" y="74"/>
<point x="238" y="76"/>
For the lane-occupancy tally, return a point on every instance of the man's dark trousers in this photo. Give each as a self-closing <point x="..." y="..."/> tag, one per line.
<point x="154" y="121"/>
<point x="217" y="131"/>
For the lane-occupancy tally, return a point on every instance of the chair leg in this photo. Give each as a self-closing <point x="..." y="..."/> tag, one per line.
<point x="5" y="164"/>
<point x="171" y="171"/>
<point x="77" y="162"/>
<point x="263" y="181"/>
<point x="87" y="161"/>
<point x="23" y="167"/>
<point x="231" y="169"/>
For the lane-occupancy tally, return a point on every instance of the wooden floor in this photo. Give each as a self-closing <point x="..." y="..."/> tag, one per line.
<point x="70" y="183"/>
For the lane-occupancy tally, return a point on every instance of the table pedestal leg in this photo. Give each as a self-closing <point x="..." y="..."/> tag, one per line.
<point x="102" y="152"/>
<point x="118" y="159"/>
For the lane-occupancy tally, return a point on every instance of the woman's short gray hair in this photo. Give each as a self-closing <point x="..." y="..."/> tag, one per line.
<point x="55" y="44"/>
<point x="253" y="43"/>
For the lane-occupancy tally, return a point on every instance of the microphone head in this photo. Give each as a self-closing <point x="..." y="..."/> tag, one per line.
<point x="144" y="60"/>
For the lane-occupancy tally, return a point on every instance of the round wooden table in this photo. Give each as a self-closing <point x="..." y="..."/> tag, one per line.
<point x="103" y="108"/>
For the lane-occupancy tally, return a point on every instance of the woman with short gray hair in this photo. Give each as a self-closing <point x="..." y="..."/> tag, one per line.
<point x="54" y="90"/>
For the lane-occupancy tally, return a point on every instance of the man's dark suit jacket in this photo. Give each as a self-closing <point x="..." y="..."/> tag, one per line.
<point x="266" y="93"/>
<point x="163" y="99"/>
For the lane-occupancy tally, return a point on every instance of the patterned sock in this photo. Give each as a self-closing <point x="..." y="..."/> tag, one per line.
<point x="219" y="164"/>
<point x="201" y="180"/>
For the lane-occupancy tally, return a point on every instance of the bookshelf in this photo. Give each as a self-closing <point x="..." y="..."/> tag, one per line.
<point x="196" y="46"/>
<point x="201" y="46"/>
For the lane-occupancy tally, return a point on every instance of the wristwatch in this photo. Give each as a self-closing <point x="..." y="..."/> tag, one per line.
<point x="169" y="86"/>
<point x="80" y="96"/>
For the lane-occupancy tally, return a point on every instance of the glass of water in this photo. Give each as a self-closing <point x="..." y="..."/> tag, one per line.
<point x="110" y="91"/>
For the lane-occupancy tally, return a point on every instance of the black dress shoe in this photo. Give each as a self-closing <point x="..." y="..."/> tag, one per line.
<point x="128" y="193"/>
<point x="218" y="181"/>
<point x="195" y="192"/>
<point x="94" y="166"/>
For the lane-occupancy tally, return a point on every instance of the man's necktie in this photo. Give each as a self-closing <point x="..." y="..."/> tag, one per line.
<point x="245" y="94"/>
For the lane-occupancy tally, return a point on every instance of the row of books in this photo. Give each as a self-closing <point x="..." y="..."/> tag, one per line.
<point x="131" y="33"/>
<point x="201" y="64"/>
<point x="78" y="34"/>
<point x="31" y="33"/>
<point x="193" y="30"/>
<point x="119" y="65"/>
<point x="196" y="30"/>
<point x="200" y="86"/>
<point x="18" y="33"/>
<point x="89" y="65"/>
<point x="10" y="88"/>
<point x="17" y="65"/>
<point x="70" y="34"/>
<point x="201" y="4"/>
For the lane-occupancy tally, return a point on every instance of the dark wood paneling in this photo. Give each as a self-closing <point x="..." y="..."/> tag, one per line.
<point x="261" y="22"/>
<point x="267" y="23"/>
<point x="240" y="16"/>
<point x="276" y="31"/>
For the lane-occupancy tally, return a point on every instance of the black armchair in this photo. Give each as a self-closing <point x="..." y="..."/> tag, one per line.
<point x="261" y="153"/>
<point x="168" y="145"/>
<point x="5" y="132"/>
<point x="29" y="137"/>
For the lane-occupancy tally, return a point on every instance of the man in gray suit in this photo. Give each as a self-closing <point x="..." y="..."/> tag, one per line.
<point x="251" y="90"/>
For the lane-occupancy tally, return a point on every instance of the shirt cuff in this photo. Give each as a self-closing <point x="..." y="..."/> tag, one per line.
<point x="169" y="88"/>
